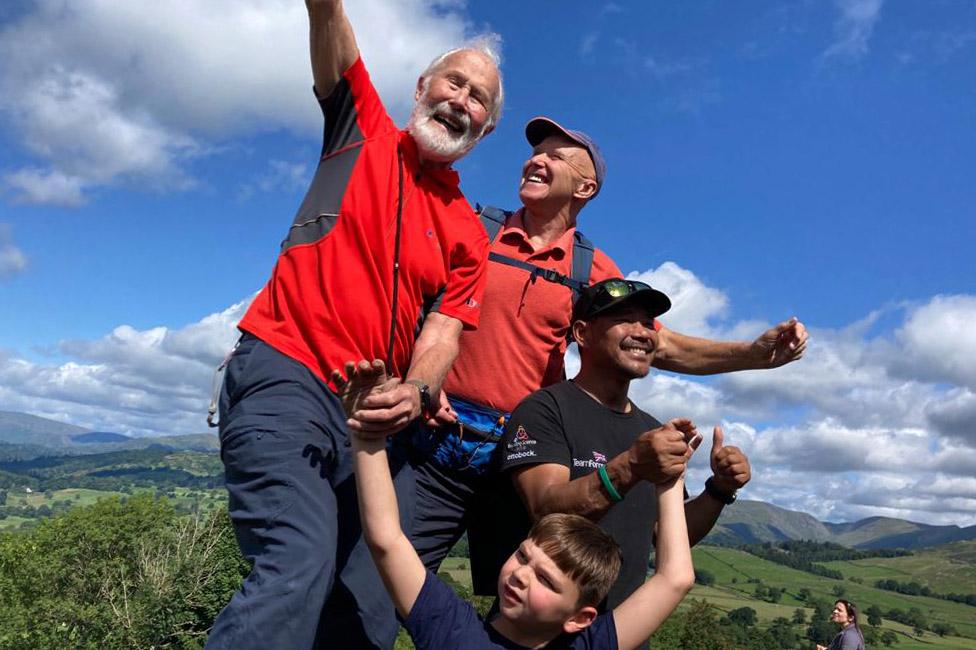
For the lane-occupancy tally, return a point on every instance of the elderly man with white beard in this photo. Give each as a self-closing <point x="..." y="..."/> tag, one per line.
<point x="384" y="260"/>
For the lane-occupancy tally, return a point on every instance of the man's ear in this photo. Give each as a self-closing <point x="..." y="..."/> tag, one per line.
<point x="579" y="329"/>
<point x="420" y="89"/>
<point x="585" y="189"/>
<point x="580" y="620"/>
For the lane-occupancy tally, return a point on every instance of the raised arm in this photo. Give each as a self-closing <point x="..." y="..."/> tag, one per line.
<point x="332" y="43"/>
<point x="398" y="564"/>
<point x="644" y="611"/>
<point x="657" y="455"/>
<point x="691" y="355"/>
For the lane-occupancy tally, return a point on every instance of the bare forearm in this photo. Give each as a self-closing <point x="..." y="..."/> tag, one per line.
<point x="398" y="564"/>
<point x="332" y="43"/>
<point x="435" y="351"/>
<point x="644" y="611"/>
<point x="585" y="496"/>
<point x="377" y="499"/>
<point x="697" y="356"/>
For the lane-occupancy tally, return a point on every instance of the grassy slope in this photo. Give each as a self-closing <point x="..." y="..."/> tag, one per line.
<point x="945" y="569"/>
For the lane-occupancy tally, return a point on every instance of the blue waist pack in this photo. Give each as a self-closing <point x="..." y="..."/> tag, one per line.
<point x="468" y="446"/>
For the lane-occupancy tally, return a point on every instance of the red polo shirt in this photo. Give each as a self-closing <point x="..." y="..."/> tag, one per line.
<point x="330" y="295"/>
<point x="520" y="344"/>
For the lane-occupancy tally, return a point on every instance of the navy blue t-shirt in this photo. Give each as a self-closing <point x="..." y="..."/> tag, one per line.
<point x="441" y="620"/>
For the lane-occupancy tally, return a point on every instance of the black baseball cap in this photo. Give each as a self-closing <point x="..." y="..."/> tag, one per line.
<point x="608" y="294"/>
<point x="540" y="128"/>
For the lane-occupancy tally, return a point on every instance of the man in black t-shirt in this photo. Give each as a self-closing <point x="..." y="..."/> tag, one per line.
<point x="583" y="447"/>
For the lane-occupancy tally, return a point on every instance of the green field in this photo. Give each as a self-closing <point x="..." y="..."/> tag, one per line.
<point x="945" y="569"/>
<point x="734" y="569"/>
<point x="182" y="498"/>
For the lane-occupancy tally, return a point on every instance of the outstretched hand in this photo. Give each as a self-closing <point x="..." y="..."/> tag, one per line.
<point x="730" y="466"/>
<point x="362" y="381"/>
<point x="781" y="344"/>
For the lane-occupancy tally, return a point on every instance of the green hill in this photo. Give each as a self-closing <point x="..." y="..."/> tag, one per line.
<point x="945" y="569"/>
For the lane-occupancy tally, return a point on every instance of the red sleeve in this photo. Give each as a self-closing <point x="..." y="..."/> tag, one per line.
<point x="465" y="287"/>
<point x="372" y="117"/>
<point x="605" y="268"/>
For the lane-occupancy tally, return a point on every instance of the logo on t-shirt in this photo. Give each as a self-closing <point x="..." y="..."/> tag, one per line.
<point x="599" y="460"/>
<point x="521" y="439"/>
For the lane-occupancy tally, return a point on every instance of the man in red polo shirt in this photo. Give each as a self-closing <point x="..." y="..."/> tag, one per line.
<point x="385" y="259"/>
<point x="520" y="345"/>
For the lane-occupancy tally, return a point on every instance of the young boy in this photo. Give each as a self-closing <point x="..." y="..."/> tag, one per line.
<point x="549" y="588"/>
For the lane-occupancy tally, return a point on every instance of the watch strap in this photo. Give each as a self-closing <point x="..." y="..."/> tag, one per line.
<point x="726" y="498"/>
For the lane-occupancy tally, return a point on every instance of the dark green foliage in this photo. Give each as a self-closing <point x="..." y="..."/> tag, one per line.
<point x="874" y="615"/>
<point x="799" y="616"/>
<point x="889" y="638"/>
<point x="804" y="555"/>
<point x="745" y="616"/>
<point x="916" y="589"/>
<point x="943" y="629"/>
<point x="703" y="577"/>
<point x="118" y="574"/>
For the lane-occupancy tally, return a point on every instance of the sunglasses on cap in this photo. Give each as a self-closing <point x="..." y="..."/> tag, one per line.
<point x="609" y="293"/>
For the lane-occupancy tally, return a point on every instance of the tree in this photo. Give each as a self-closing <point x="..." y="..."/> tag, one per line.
<point x="799" y="616"/>
<point x="889" y="638"/>
<point x="699" y="630"/>
<point x="783" y="634"/>
<point x="839" y="591"/>
<point x="703" y="577"/>
<point x="745" y="616"/>
<point x="874" y="615"/>
<point x="943" y="629"/>
<point x="117" y="575"/>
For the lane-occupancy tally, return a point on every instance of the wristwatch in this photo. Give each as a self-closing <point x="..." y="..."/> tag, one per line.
<point x="726" y="498"/>
<point x="424" y="389"/>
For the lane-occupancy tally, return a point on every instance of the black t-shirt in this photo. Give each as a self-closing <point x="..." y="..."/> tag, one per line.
<point x="562" y="424"/>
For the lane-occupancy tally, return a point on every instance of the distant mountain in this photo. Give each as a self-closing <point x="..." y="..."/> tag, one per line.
<point x="29" y="436"/>
<point x="99" y="436"/>
<point x="752" y="522"/>
<point x="24" y="429"/>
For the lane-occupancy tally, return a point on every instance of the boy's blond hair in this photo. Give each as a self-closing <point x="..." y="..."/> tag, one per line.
<point x="581" y="550"/>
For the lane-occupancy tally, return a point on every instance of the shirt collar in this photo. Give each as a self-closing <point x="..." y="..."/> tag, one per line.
<point x="514" y="231"/>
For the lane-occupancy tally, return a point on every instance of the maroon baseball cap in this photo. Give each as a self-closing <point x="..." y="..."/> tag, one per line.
<point x="540" y="128"/>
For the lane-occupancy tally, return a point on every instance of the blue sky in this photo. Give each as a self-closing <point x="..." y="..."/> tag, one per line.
<point x="808" y="158"/>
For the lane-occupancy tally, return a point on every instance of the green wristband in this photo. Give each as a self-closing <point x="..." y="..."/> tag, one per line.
<point x="612" y="491"/>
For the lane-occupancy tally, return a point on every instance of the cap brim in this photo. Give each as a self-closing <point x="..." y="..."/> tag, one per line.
<point x="652" y="300"/>
<point x="540" y="128"/>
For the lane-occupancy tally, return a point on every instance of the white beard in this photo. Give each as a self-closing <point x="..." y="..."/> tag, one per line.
<point x="433" y="140"/>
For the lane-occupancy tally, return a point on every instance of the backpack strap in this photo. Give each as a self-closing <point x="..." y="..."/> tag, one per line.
<point x="493" y="219"/>
<point x="582" y="262"/>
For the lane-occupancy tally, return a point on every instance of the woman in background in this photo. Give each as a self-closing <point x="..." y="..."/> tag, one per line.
<point x="849" y="637"/>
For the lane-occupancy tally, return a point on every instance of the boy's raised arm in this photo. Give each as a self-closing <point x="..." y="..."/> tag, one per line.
<point x="644" y="611"/>
<point x="399" y="566"/>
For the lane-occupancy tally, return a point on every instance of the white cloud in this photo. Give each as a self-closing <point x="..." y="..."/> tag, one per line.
<point x="853" y="28"/>
<point x="938" y="341"/>
<point x="693" y="304"/>
<point x="865" y="424"/>
<point x="155" y="381"/>
<point x="103" y="92"/>
<point x="12" y="259"/>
